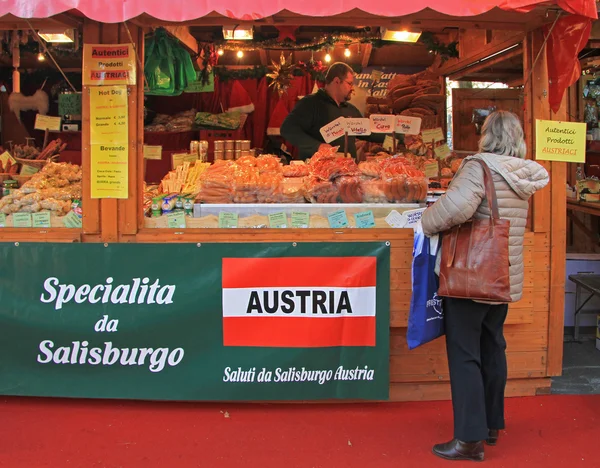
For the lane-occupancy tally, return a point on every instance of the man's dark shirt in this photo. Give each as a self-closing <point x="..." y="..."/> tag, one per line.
<point x="302" y="126"/>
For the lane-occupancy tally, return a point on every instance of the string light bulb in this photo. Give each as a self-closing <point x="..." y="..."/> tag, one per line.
<point x="347" y="52"/>
<point x="41" y="57"/>
<point x="327" y="57"/>
<point x="240" y="54"/>
<point x="220" y="52"/>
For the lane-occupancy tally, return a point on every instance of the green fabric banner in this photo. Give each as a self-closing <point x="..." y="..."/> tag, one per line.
<point x="273" y="321"/>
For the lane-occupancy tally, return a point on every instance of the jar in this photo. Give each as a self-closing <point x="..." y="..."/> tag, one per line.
<point x="218" y="155"/>
<point x="229" y="145"/>
<point x="188" y="207"/>
<point x="229" y="154"/>
<point x="219" y="145"/>
<point x="9" y="186"/>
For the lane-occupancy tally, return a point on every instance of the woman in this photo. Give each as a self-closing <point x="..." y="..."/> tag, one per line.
<point x="474" y="338"/>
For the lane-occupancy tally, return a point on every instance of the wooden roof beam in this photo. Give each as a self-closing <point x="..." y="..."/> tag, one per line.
<point x="485" y="64"/>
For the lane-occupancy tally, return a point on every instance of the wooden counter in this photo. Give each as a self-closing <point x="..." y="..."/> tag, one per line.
<point x="422" y="374"/>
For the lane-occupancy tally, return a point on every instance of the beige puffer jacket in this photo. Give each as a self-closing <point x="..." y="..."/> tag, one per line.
<point x="515" y="181"/>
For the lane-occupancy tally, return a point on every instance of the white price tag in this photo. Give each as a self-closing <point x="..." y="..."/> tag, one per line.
<point x="358" y="127"/>
<point x="334" y="130"/>
<point x="408" y="125"/>
<point x="382" y="123"/>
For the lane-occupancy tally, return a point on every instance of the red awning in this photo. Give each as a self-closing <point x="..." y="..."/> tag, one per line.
<point x="115" y="11"/>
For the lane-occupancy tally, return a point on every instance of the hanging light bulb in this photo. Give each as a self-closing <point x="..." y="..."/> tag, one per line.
<point x="327" y="57"/>
<point x="347" y="52"/>
<point x="41" y="57"/>
<point x="240" y="54"/>
<point x="220" y="52"/>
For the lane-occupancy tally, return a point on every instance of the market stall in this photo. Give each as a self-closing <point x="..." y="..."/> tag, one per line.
<point x="344" y="202"/>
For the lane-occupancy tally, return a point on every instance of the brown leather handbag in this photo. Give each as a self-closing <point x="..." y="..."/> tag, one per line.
<point x="474" y="263"/>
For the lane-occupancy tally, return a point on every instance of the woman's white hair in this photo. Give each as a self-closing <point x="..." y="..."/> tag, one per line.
<point x="502" y="134"/>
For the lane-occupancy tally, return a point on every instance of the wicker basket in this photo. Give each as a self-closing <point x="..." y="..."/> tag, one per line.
<point x="21" y="179"/>
<point x="39" y="163"/>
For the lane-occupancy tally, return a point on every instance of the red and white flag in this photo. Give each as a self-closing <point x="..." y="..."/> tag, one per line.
<point x="299" y="302"/>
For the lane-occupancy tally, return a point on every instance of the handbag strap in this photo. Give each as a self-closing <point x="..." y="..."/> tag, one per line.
<point x="490" y="190"/>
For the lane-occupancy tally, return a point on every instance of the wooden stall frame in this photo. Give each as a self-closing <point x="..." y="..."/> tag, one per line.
<point x="534" y="326"/>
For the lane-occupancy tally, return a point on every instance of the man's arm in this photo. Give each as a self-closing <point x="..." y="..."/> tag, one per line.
<point x="296" y="126"/>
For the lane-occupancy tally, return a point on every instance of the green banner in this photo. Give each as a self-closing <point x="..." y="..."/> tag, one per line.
<point x="275" y="321"/>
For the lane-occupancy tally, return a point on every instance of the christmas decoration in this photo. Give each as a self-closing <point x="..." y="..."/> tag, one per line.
<point x="281" y="74"/>
<point x="239" y="100"/>
<point x="207" y="60"/>
<point x="434" y="46"/>
<point x="277" y="117"/>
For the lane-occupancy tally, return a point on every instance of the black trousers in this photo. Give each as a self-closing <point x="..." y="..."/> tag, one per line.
<point x="477" y="360"/>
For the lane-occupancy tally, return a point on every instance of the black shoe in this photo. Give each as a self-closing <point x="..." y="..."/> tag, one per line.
<point x="492" y="437"/>
<point x="459" y="450"/>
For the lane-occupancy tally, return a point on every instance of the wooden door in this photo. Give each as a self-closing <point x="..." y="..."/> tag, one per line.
<point x="464" y="100"/>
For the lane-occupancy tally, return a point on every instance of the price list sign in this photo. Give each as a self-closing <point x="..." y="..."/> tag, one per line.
<point x="109" y="145"/>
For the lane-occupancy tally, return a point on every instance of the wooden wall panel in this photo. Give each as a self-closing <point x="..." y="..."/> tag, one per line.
<point x="464" y="137"/>
<point x="91" y="207"/>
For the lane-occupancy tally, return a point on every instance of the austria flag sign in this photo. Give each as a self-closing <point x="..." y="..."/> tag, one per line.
<point x="300" y="302"/>
<point x="239" y="321"/>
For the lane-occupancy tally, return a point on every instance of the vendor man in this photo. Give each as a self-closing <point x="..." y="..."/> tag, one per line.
<point x="302" y="126"/>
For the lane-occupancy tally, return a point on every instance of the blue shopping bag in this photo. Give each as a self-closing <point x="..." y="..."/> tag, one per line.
<point x="426" y="317"/>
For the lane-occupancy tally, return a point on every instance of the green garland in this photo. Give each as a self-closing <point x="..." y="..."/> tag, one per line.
<point x="260" y="71"/>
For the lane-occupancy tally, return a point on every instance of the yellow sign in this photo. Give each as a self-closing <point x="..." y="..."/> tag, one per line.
<point x="5" y="157"/>
<point x="153" y="152"/>
<point x="109" y="145"/>
<point x="432" y="169"/>
<point x="180" y="158"/>
<point x="432" y="134"/>
<point x="560" y="141"/>
<point x="108" y="64"/>
<point x="28" y="170"/>
<point x="442" y="151"/>
<point x="46" y="122"/>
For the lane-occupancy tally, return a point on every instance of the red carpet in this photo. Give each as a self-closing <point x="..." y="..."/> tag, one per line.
<point x="548" y="431"/>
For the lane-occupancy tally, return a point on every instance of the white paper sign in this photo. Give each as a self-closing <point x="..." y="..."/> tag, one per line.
<point x="382" y="123"/>
<point x="408" y="219"/>
<point x="412" y="217"/>
<point x="334" y="130"/>
<point x="358" y="127"/>
<point x="395" y="219"/>
<point x="408" y="125"/>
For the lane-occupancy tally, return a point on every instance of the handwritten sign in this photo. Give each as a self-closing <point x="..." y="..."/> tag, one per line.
<point x="179" y="158"/>
<point x="432" y="169"/>
<point x="338" y="219"/>
<point x="278" y="220"/>
<point x="45" y="122"/>
<point x="432" y="134"/>
<point x="408" y="125"/>
<point x="153" y="152"/>
<point x="228" y="220"/>
<point x="560" y="141"/>
<point x="5" y="157"/>
<point x="27" y="170"/>
<point x="334" y="130"/>
<point x="364" y="219"/>
<point x="300" y="219"/>
<point x="176" y="220"/>
<point x="22" y="220"/>
<point x="412" y="217"/>
<point x="72" y="220"/>
<point x="358" y="127"/>
<point x="41" y="219"/>
<point x="442" y="151"/>
<point x="382" y="123"/>
<point x="395" y="219"/>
